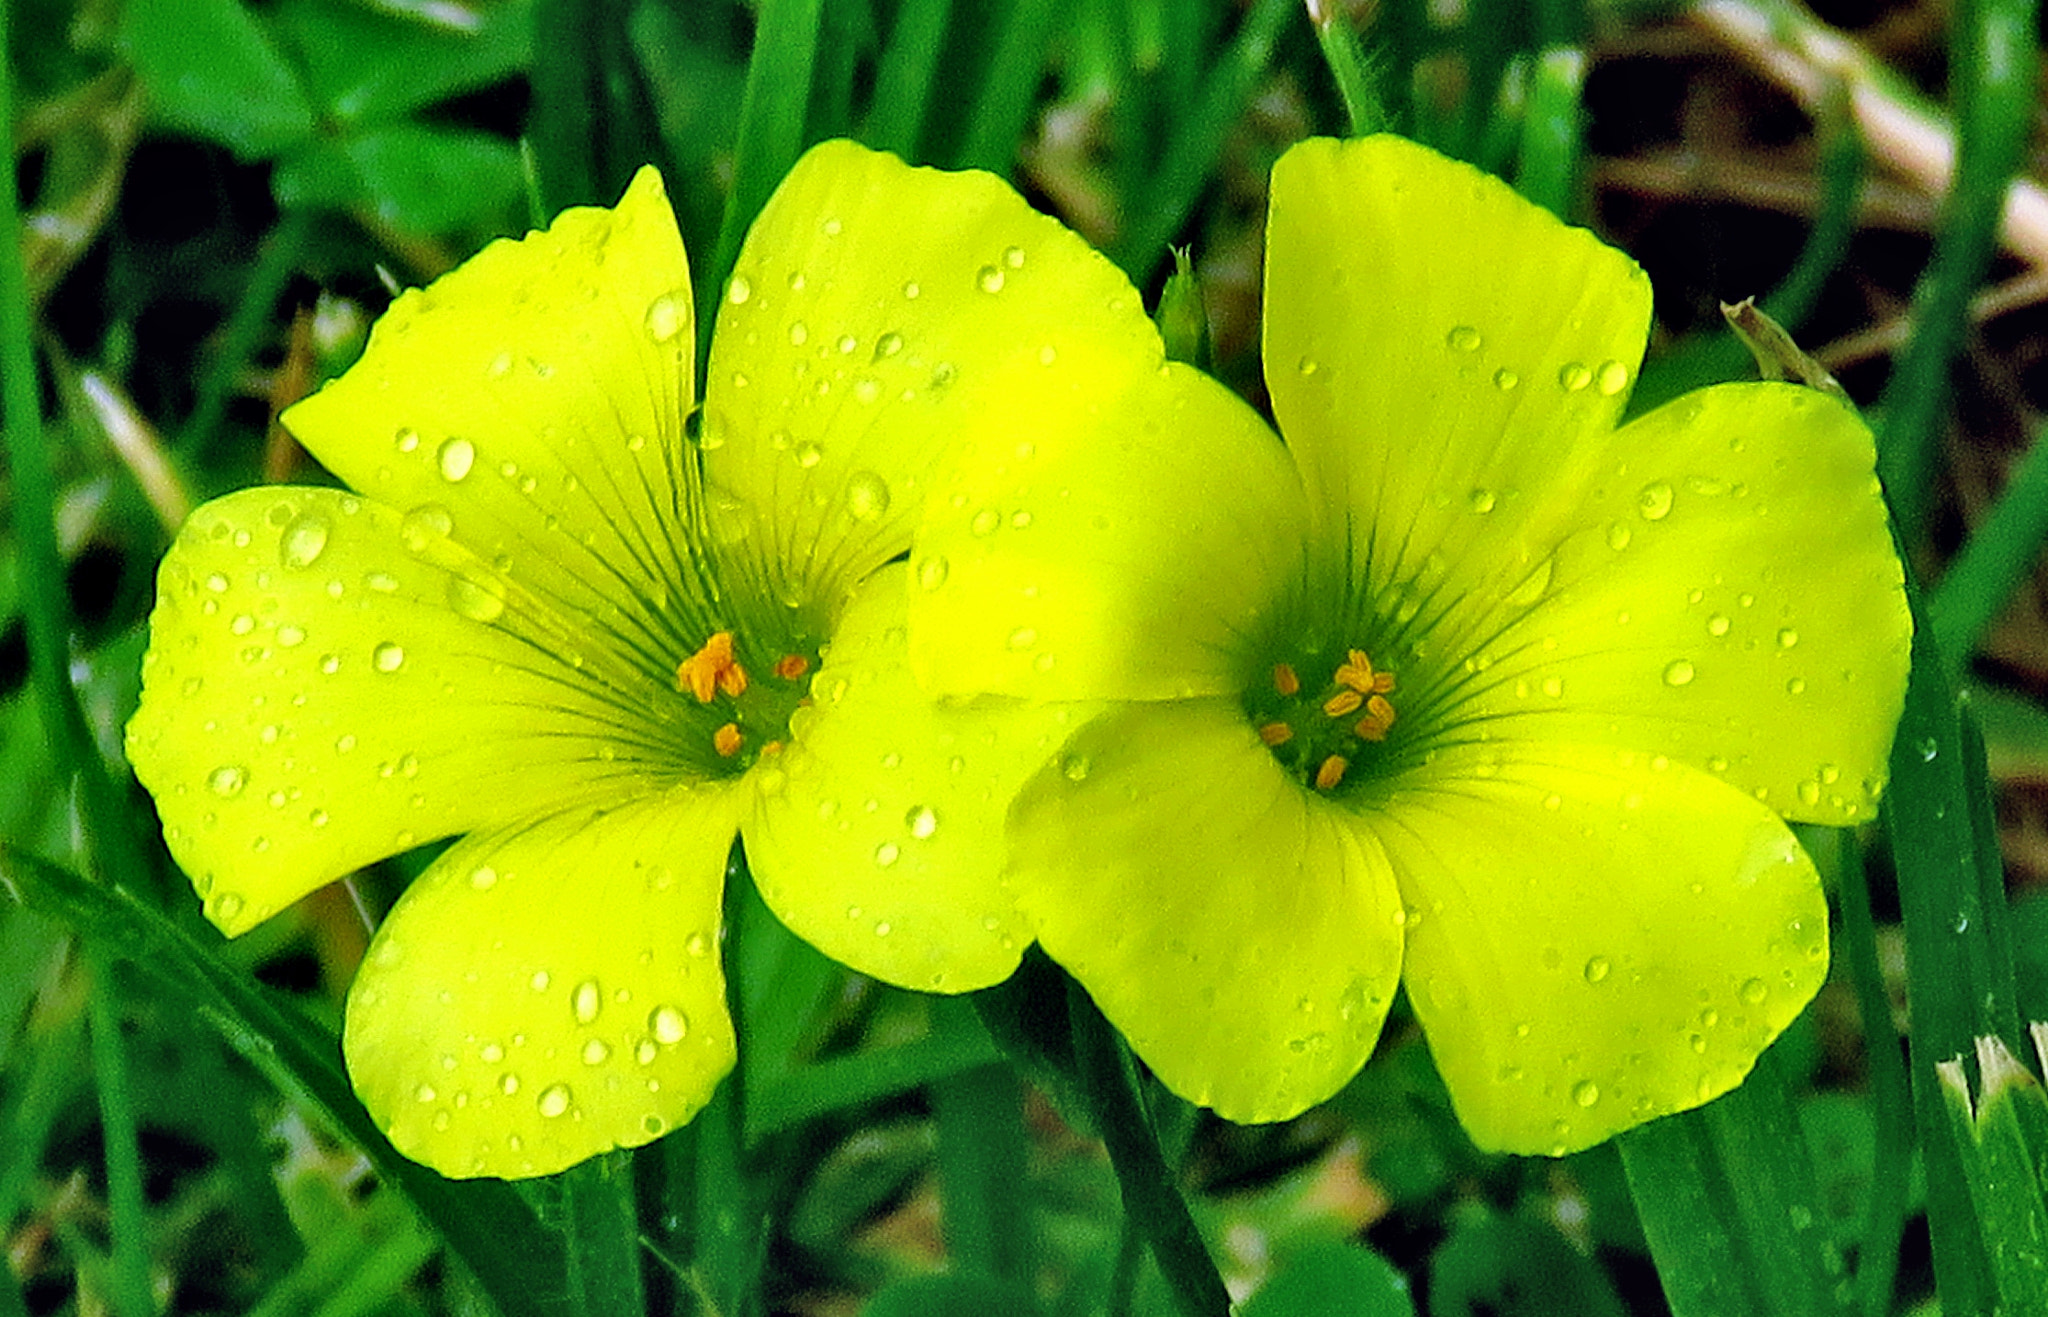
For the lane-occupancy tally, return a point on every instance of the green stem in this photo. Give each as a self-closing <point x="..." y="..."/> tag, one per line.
<point x="1688" y="1215"/>
<point x="128" y="1225"/>
<point x="1994" y="100"/>
<point x="771" y="133"/>
<point x="1152" y="1199"/>
<point x="1998" y="558"/>
<point x="1549" y="164"/>
<point x="1349" y="69"/>
<point x="982" y="1156"/>
<point x="602" y="1235"/>
<point x="1890" y="1094"/>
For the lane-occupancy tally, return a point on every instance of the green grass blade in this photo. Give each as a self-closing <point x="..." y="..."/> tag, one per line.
<point x="127" y="1224"/>
<point x="1549" y="164"/>
<point x="1349" y="69"/>
<point x="484" y="1222"/>
<point x="1003" y="109"/>
<point x="903" y="77"/>
<point x="595" y="1200"/>
<point x="1191" y="154"/>
<point x="1994" y="109"/>
<point x="1689" y="1217"/>
<point x="1996" y="561"/>
<point x="835" y="1085"/>
<point x="1151" y="1197"/>
<point x="771" y="134"/>
<point x="982" y="1161"/>
<point x="1953" y="991"/>
<point x="1891" y="1095"/>
<point x="276" y="261"/>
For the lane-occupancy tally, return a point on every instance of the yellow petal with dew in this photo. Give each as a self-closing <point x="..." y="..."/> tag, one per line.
<point x="878" y="836"/>
<point x="533" y="399"/>
<point x="316" y="697"/>
<point x="1445" y="358"/>
<point x="1120" y="538"/>
<point x="1595" y="938"/>
<point x="1241" y="932"/>
<point x="872" y="307"/>
<point x="550" y="991"/>
<point x="1729" y="596"/>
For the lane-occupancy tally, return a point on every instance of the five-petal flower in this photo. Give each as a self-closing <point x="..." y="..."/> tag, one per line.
<point x="548" y="623"/>
<point x="1462" y="688"/>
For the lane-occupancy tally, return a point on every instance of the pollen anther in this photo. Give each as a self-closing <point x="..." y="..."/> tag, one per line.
<point x="791" y="666"/>
<point x="1379" y="717"/>
<point x="1357" y="673"/>
<point x="1343" y="702"/>
<point x="712" y="669"/>
<point x="1332" y="772"/>
<point x="726" y="740"/>
<point x="1284" y="679"/>
<point x="1276" y="734"/>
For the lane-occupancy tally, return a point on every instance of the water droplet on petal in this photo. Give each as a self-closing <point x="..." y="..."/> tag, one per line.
<point x="1597" y="969"/>
<point x="867" y="496"/>
<point x="388" y="657"/>
<point x="739" y="290"/>
<point x="1023" y="637"/>
<point x="668" y="1025"/>
<point x="1505" y="379"/>
<point x="406" y="439"/>
<point x="1655" y="501"/>
<point x="483" y="878"/>
<point x="989" y="279"/>
<point x="1787" y="638"/>
<point x="424" y="526"/>
<point x="553" y="1100"/>
<point x="480" y="599"/>
<point x="586" y="1001"/>
<point x="888" y="345"/>
<point x="799" y="333"/>
<point x="455" y="458"/>
<point x="922" y="821"/>
<point x="596" y="1052"/>
<point x="1463" y="338"/>
<point x="1754" y="991"/>
<point x="1612" y="378"/>
<point x="228" y="780"/>
<point x="1718" y="625"/>
<point x="931" y="573"/>
<point x="886" y="853"/>
<point x="809" y="455"/>
<point x="665" y="314"/>
<point x="303" y="540"/>
<point x="1586" y="1093"/>
<point x="1014" y="258"/>
<point x="1574" y="377"/>
<point x="1680" y="672"/>
<point x="1618" y="536"/>
<point x="1482" y="501"/>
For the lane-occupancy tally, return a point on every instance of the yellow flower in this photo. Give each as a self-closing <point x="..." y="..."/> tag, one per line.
<point x="1462" y="687"/>
<point x="547" y="623"/>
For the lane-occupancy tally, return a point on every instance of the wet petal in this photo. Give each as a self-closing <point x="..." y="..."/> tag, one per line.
<point x="534" y="399"/>
<point x="1120" y="538"/>
<point x="1729" y="596"/>
<point x="872" y="307"/>
<point x="879" y="834"/>
<point x="1445" y="358"/>
<point x="316" y="697"/>
<point x="1595" y="938"/>
<point x="550" y="991"/>
<point x="1241" y="932"/>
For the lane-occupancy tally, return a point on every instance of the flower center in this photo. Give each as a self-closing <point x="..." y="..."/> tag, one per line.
<point x="754" y="715"/>
<point x="1319" y="731"/>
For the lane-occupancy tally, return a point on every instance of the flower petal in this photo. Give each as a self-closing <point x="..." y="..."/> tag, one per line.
<point x="1595" y="938"/>
<point x="879" y="834"/>
<point x="1445" y="358"/>
<point x="550" y="991"/>
<point x="315" y="698"/>
<point x="531" y="402"/>
<point x="1242" y="933"/>
<point x="1729" y="597"/>
<point x="1119" y="538"/>
<point x="872" y="306"/>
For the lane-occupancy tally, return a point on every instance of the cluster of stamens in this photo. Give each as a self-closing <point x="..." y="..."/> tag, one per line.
<point x="715" y="671"/>
<point x="1324" y="730"/>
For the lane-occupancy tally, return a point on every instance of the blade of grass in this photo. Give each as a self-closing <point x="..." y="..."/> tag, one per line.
<point x="1003" y="109"/>
<point x="1549" y="156"/>
<point x="771" y="135"/>
<point x="1688" y="1214"/>
<point x="127" y="1224"/>
<point x="595" y="1200"/>
<point x="982" y="1156"/>
<point x="1992" y="59"/>
<point x="1190" y="158"/>
<point x="276" y="261"/>
<point x="1995" y="562"/>
<point x="483" y="1222"/>
<point x="1891" y="1097"/>
<point x="1349" y="68"/>
<point x="903" y="77"/>
<point x="1953" y="992"/>
<point x="1151" y="1198"/>
<point x="849" y="1081"/>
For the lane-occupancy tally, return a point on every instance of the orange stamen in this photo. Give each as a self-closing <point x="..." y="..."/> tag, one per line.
<point x="704" y="673"/>
<point x="1332" y="772"/>
<point x="1284" y="680"/>
<point x="1379" y="717"/>
<point x="791" y="666"/>
<point x="1343" y="702"/>
<point x="726" y="740"/>
<point x="1357" y="673"/>
<point x="1276" y="734"/>
<point x="733" y="680"/>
